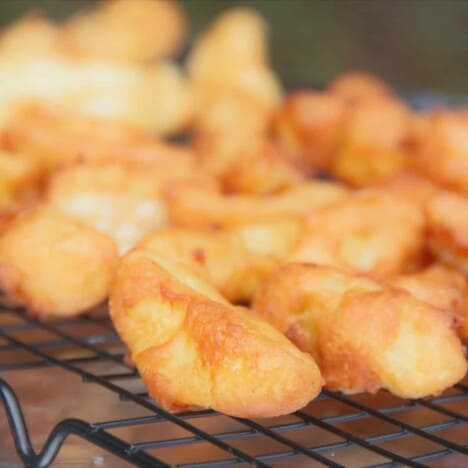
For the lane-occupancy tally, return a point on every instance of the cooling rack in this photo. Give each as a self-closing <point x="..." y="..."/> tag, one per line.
<point x="53" y="362"/>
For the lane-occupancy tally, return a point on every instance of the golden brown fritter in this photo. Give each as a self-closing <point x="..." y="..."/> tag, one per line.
<point x="31" y="35"/>
<point x="153" y="97"/>
<point x="120" y="198"/>
<point x="447" y="219"/>
<point x="310" y="125"/>
<point x="364" y="335"/>
<point x="368" y="232"/>
<point x="196" y="205"/>
<point x="409" y="186"/>
<point x="357" y="86"/>
<point x="234" y="260"/>
<point x="232" y="140"/>
<point x="438" y="285"/>
<point x="373" y="142"/>
<point x="20" y="180"/>
<point x="54" y="265"/>
<point x="55" y="139"/>
<point x="441" y="287"/>
<point x="231" y="56"/>
<point x="120" y="30"/>
<point x="193" y="349"/>
<point x="440" y="144"/>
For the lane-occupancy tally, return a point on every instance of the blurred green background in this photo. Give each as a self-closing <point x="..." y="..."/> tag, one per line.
<point x="411" y="43"/>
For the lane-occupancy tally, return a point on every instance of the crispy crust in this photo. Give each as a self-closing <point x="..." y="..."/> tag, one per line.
<point x="120" y="30"/>
<point x="195" y="205"/>
<point x="447" y="218"/>
<point x="231" y="56"/>
<point x="120" y="198"/>
<point x="370" y="232"/>
<point x="364" y="335"/>
<point x="54" y="265"/>
<point x="193" y="349"/>
<point x="440" y="143"/>
<point x="310" y="126"/>
<point x="236" y="260"/>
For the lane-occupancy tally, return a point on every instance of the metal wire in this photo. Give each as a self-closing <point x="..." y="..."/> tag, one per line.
<point x="384" y="444"/>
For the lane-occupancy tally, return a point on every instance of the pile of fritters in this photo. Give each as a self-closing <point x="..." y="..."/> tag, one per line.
<point x="293" y="241"/>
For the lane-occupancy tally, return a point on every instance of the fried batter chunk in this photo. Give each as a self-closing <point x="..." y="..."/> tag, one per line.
<point x="196" y="205"/>
<point x="121" y="199"/>
<point x="440" y="144"/>
<point x="120" y="30"/>
<point x="54" y="265"/>
<point x="447" y="218"/>
<point x="232" y="56"/>
<point x="368" y="232"/>
<point x="234" y="260"/>
<point x="442" y="287"/>
<point x="310" y="126"/>
<point x="193" y="349"/>
<point x="373" y="142"/>
<point x="232" y="140"/>
<point x="363" y="334"/>
<point x="55" y="138"/>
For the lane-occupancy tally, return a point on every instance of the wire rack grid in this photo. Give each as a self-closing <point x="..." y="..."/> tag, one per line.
<point x="333" y="430"/>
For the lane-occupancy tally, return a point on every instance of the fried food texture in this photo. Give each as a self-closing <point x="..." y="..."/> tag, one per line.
<point x="56" y="138"/>
<point x="31" y="35"/>
<point x="363" y="334"/>
<point x="232" y="140"/>
<point x="231" y="56"/>
<point x="120" y="30"/>
<point x="121" y="199"/>
<point x="442" y="287"/>
<point x="155" y="98"/>
<point x="234" y="260"/>
<point x="196" y="205"/>
<point x="20" y="179"/>
<point x="409" y="186"/>
<point x="53" y="265"/>
<point x="447" y="218"/>
<point x="440" y="142"/>
<point x="368" y="232"/>
<point x="355" y="87"/>
<point x="373" y="142"/>
<point x="310" y="125"/>
<point x="193" y="349"/>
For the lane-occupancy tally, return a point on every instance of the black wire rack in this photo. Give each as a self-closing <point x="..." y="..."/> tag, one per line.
<point x="333" y="430"/>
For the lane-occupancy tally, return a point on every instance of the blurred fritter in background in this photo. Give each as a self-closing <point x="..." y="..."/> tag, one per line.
<point x="412" y="43"/>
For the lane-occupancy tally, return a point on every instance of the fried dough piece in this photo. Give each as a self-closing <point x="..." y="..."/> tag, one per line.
<point x="356" y="86"/>
<point x="368" y="232"/>
<point x="31" y="35"/>
<point x="310" y="126"/>
<point x="409" y="186"/>
<point x="193" y="349"/>
<point x="56" y="138"/>
<point x="196" y="205"/>
<point x="234" y="260"/>
<point x="447" y="218"/>
<point x="438" y="285"/>
<point x="440" y="142"/>
<point x="364" y="335"/>
<point x="441" y="287"/>
<point x="120" y="30"/>
<point x="373" y="142"/>
<point x="231" y="56"/>
<point x="20" y="179"/>
<point x="232" y="141"/>
<point x="155" y="98"/>
<point x="121" y="199"/>
<point x="54" y="265"/>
